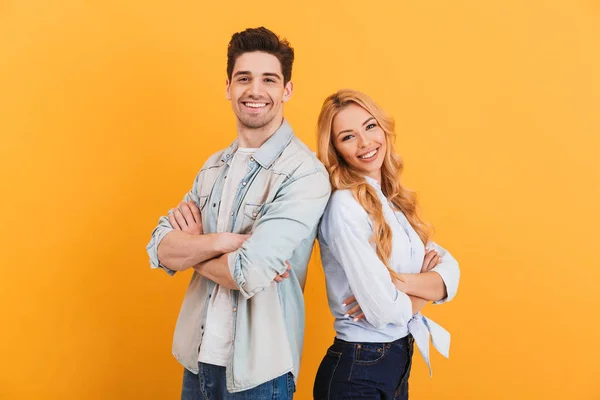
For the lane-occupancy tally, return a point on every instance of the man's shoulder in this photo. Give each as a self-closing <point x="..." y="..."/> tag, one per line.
<point x="215" y="160"/>
<point x="297" y="159"/>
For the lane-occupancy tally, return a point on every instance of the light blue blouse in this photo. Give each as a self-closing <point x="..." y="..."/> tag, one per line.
<point x="352" y="267"/>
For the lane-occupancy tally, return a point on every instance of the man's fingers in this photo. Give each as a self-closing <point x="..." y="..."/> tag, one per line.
<point x="195" y="212"/>
<point x="173" y="222"/>
<point x="349" y="301"/>
<point x="179" y="218"/>
<point x="280" y="278"/>
<point x="187" y="213"/>
<point x="285" y="275"/>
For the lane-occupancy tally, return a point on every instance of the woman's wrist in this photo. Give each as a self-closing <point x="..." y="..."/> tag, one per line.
<point x="407" y="283"/>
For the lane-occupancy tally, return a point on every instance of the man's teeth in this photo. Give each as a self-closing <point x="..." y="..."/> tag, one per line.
<point x="369" y="155"/>
<point x="255" y="105"/>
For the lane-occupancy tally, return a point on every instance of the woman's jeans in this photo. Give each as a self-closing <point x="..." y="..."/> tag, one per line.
<point x="371" y="371"/>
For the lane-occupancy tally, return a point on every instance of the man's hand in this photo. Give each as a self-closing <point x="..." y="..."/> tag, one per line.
<point x="187" y="218"/>
<point x="230" y="242"/>
<point x="286" y="274"/>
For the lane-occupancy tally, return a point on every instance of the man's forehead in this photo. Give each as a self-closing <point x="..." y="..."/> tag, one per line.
<point x="257" y="63"/>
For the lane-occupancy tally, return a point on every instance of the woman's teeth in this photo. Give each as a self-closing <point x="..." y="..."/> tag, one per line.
<point x="369" y="154"/>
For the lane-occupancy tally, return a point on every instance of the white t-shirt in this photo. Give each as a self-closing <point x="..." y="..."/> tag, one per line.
<point x="218" y="333"/>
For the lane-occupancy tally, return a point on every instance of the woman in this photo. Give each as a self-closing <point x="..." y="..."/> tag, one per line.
<point x="380" y="266"/>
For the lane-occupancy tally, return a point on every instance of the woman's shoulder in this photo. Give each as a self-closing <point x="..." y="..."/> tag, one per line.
<point x="342" y="201"/>
<point x="343" y="210"/>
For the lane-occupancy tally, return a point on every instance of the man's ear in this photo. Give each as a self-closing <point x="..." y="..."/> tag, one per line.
<point x="287" y="91"/>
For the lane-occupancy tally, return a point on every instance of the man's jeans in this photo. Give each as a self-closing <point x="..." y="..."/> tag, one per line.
<point x="210" y="384"/>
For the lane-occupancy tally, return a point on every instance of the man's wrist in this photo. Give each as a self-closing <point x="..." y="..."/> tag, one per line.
<point x="215" y="244"/>
<point x="199" y="267"/>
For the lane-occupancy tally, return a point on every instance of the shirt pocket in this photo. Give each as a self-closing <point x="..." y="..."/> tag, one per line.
<point x="202" y="202"/>
<point x="251" y="214"/>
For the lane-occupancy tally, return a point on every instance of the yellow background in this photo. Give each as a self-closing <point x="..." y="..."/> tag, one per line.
<point x="109" y="108"/>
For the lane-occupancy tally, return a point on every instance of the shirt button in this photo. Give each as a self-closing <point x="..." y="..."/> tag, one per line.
<point x="244" y="183"/>
<point x="234" y="309"/>
<point x="251" y="158"/>
<point x="232" y="213"/>
<point x="214" y="204"/>
<point x="254" y="214"/>
<point x="202" y="327"/>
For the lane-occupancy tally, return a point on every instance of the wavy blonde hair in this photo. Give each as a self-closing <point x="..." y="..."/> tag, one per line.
<point x="344" y="176"/>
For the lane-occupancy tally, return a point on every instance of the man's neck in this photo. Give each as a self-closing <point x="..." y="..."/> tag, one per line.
<point x="254" y="138"/>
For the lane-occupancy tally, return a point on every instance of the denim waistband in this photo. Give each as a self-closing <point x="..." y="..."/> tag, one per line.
<point x="406" y="340"/>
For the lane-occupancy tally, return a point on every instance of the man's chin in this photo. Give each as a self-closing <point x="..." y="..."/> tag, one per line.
<point x="254" y="123"/>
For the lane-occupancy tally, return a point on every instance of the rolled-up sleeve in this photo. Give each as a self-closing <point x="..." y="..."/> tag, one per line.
<point x="448" y="270"/>
<point x="347" y="231"/>
<point x="164" y="227"/>
<point x="158" y="235"/>
<point x="282" y="226"/>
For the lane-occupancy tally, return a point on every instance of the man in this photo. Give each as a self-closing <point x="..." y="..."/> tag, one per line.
<point x="252" y="208"/>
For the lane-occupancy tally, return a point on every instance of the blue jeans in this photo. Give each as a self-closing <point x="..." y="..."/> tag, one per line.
<point x="210" y="384"/>
<point x="373" y="371"/>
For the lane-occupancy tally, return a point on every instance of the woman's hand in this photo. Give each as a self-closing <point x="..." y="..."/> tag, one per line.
<point x="431" y="260"/>
<point x="355" y="310"/>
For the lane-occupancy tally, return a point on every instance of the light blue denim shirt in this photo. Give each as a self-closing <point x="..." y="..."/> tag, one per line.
<point x="279" y="202"/>
<point x="352" y="267"/>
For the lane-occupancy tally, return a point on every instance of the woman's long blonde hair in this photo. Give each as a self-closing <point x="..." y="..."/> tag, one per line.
<point x="343" y="176"/>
